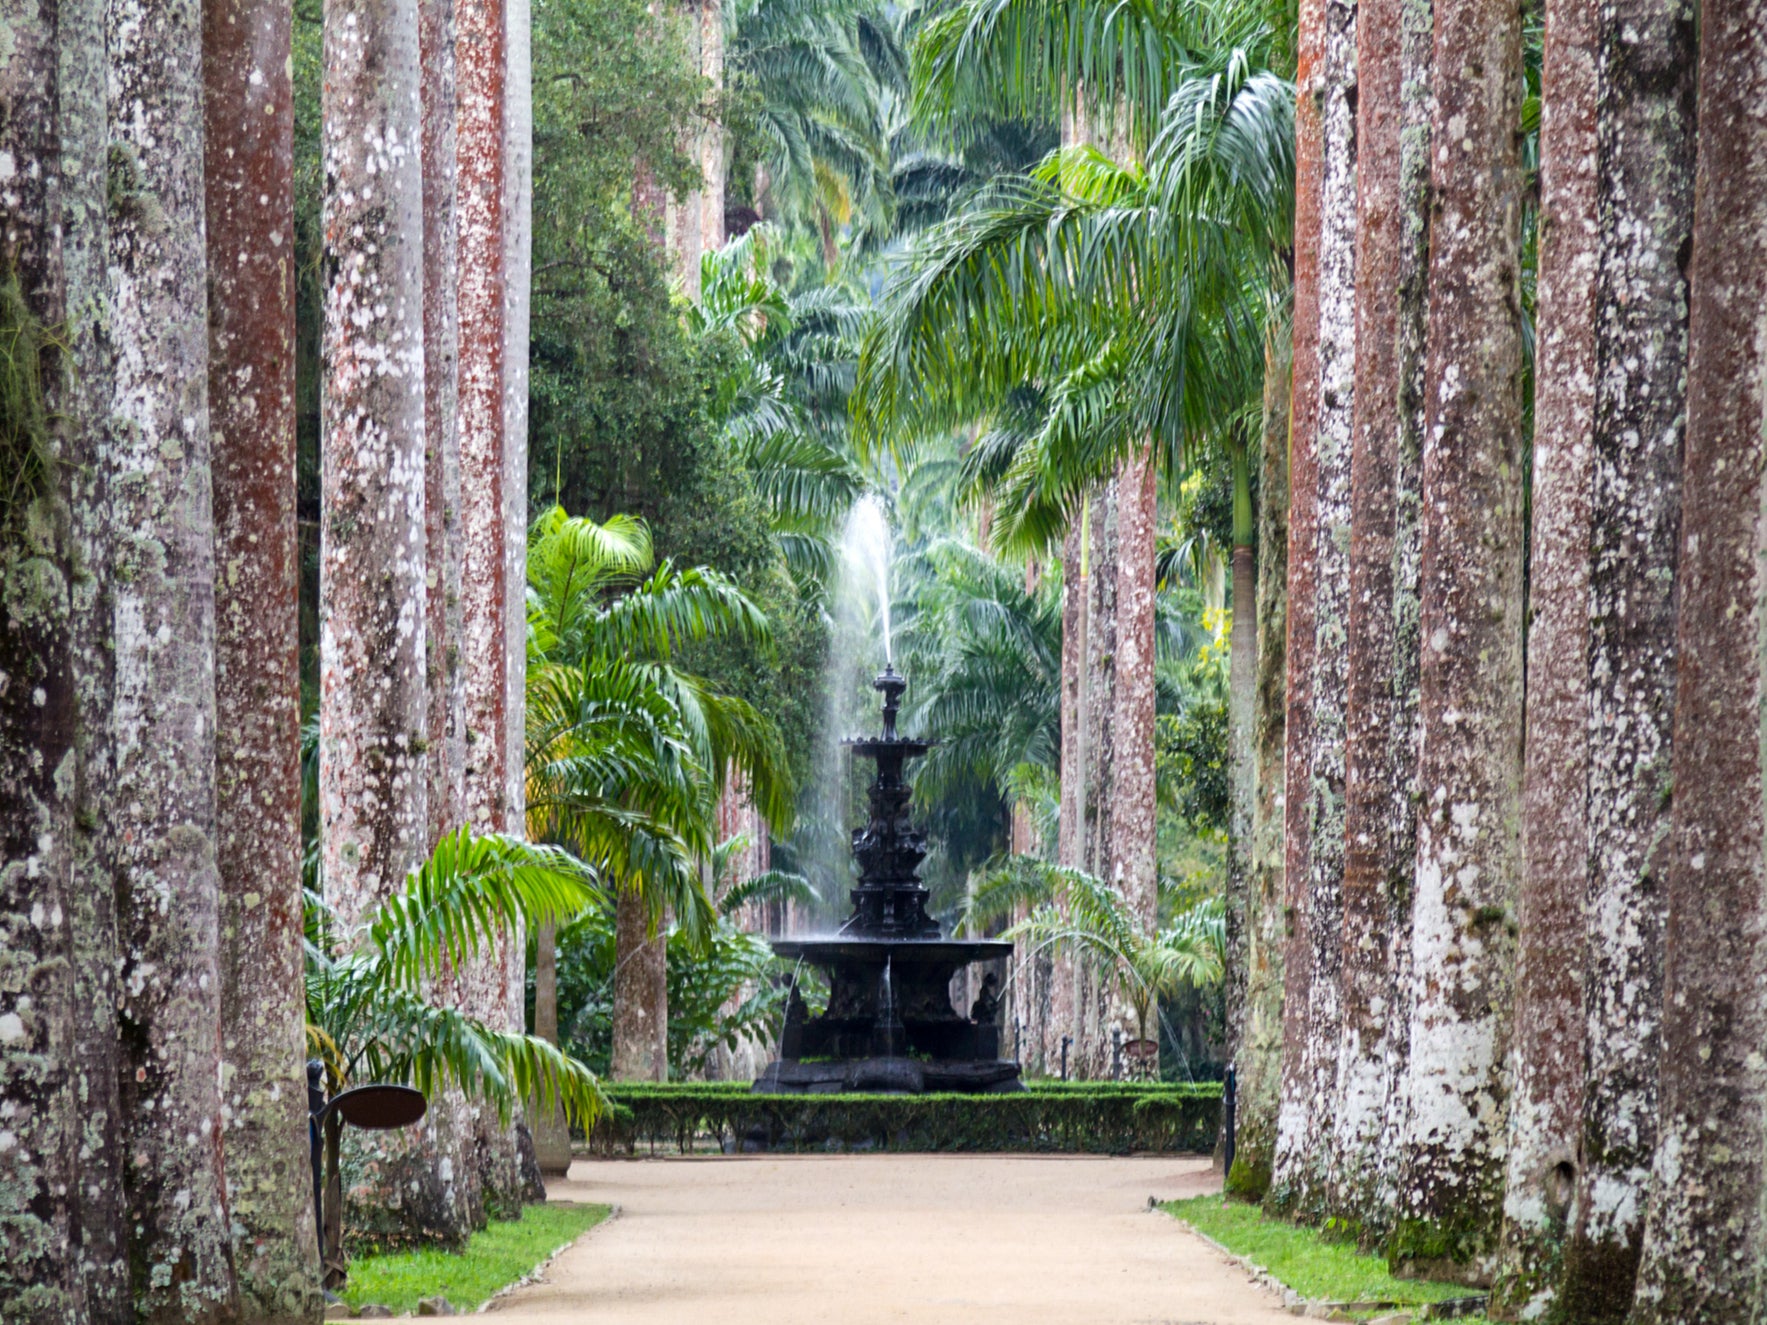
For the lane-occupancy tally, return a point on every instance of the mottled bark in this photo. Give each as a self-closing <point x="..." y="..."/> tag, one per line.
<point x="1546" y="1055"/>
<point x="83" y="403"/>
<point x="446" y="731"/>
<point x="1380" y="825"/>
<point x="1259" y="1054"/>
<point x="1303" y="527"/>
<point x="40" y="1277"/>
<point x="373" y="706"/>
<point x="1470" y="686"/>
<point x="1305" y="1140"/>
<point x="695" y="223"/>
<point x="248" y="106"/>
<point x="640" y="1020"/>
<point x="1069" y="849"/>
<point x="489" y="612"/>
<point x="161" y="807"/>
<point x="1645" y="129"/>
<point x="1703" y="1242"/>
<point x="1089" y="1057"/>
<point x="1132" y="803"/>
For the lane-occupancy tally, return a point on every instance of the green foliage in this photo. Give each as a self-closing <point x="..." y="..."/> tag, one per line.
<point x="493" y="1259"/>
<point x="1312" y="1263"/>
<point x="725" y="989"/>
<point x="1077" y="913"/>
<point x="1088" y="1118"/>
<point x="368" y="1010"/>
<point x="1191" y="747"/>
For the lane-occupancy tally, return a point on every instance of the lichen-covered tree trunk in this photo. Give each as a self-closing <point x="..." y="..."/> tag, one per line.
<point x="1380" y="826"/>
<point x="374" y="765"/>
<point x="41" y="1276"/>
<point x="1546" y="1054"/>
<point x="1704" y="1234"/>
<point x="448" y="1128"/>
<point x="695" y="223"/>
<point x="1133" y="802"/>
<point x="248" y="106"/>
<point x="82" y="403"/>
<point x="1470" y="674"/>
<point x="161" y="804"/>
<point x="1303" y="525"/>
<point x="1069" y="849"/>
<point x="373" y="709"/>
<point x="489" y="613"/>
<point x="1305" y="1135"/>
<point x="1645" y="131"/>
<point x="1090" y="1058"/>
<point x="1258" y="1057"/>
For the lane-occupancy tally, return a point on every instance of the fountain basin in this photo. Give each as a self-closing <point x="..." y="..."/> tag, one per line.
<point x="889" y="1024"/>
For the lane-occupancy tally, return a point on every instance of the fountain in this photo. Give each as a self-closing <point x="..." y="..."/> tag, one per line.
<point x="889" y="1024"/>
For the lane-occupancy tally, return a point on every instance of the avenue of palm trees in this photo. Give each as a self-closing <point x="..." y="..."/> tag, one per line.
<point x="1324" y="447"/>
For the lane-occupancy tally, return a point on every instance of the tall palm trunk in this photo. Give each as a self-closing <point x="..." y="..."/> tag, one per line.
<point x="448" y="1126"/>
<point x="490" y="538"/>
<point x="1258" y="1055"/>
<point x="1705" y="1235"/>
<point x="248" y="106"/>
<point x="1380" y="824"/>
<point x="161" y="810"/>
<point x="641" y="1017"/>
<point x="1090" y="1055"/>
<point x="1645" y="131"/>
<point x="1546" y="1055"/>
<point x="51" y="79"/>
<point x="1304" y="1139"/>
<point x="1303" y="524"/>
<point x="1132" y="804"/>
<point x="373" y="693"/>
<point x="1470" y="688"/>
<point x="1242" y="688"/>
<point x="1070" y="835"/>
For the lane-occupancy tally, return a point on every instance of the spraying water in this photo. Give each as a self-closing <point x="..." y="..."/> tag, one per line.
<point x="866" y="546"/>
<point x="859" y="614"/>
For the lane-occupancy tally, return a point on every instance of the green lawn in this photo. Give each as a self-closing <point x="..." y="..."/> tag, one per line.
<point x="1302" y="1259"/>
<point x="499" y="1255"/>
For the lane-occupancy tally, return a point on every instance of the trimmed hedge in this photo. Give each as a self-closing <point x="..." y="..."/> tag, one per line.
<point x="1073" y="1117"/>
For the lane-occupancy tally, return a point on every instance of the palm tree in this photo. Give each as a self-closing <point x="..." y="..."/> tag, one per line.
<point x="1080" y="914"/>
<point x="627" y="754"/>
<point x="817" y="71"/>
<point x="782" y="406"/>
<point x="371" y="1015"/>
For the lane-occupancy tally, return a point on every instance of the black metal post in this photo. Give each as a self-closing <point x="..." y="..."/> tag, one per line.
<point x="1230" y="1110"/>
<point x="1116" y="1053"/>
<point x="316" y="1106"/>
<point x="1066" y="1040"/>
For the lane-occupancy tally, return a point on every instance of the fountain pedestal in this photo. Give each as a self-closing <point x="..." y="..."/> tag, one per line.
<point x="889" y="1023"/>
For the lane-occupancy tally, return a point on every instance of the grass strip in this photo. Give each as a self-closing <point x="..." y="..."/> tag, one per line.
<point x="1304" y="1259"/>
<point x="494" y="1258"/>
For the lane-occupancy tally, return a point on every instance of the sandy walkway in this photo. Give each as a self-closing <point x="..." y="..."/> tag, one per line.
<point x="858" y="1239"/>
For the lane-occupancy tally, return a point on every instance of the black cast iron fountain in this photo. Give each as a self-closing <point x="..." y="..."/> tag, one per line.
<point x="889" y="1024"/>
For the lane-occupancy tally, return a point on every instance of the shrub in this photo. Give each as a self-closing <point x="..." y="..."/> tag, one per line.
<point x="1079" y="1117"/>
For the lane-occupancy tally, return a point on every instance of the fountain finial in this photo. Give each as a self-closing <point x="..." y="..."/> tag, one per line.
<point x="889" y="682"/>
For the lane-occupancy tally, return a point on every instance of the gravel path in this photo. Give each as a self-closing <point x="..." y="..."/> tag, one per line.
<point x="864" y="1239"/>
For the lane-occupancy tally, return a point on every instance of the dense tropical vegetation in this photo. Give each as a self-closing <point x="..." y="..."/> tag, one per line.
<point x="462" y="463"/>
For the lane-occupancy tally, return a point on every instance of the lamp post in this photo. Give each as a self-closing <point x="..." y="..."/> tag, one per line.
<point x="374" y="1108"/>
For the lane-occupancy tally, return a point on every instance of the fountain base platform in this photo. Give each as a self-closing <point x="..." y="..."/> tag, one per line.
<point x="889" y="1024"/>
